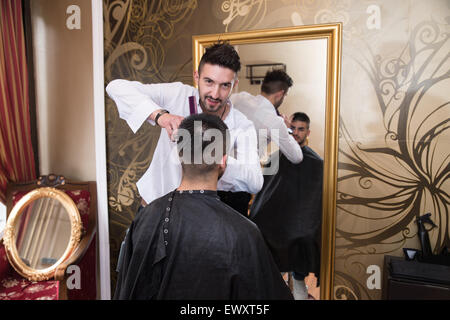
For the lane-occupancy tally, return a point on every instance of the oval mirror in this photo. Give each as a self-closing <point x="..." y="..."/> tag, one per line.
<point x="43" y="229"/>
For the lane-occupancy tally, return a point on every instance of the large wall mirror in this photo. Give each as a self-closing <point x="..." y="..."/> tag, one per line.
<point x="311" y="55"/>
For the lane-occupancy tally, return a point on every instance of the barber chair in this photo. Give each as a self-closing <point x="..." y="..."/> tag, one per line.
<point x="48" y="249"/>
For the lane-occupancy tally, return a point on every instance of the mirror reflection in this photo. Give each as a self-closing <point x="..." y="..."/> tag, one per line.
<point x="305" y="62"/>
<point x="288" y="209"/>
<point x="319" y="100"/>
<point x="43" y="233"/>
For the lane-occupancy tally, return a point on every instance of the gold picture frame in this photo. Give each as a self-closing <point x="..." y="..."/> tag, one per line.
<point x="333" y="35"/>
<point x="10" y="235"/>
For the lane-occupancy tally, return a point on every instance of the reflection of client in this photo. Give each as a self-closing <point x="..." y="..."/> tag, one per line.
<point x="288" y="210"/>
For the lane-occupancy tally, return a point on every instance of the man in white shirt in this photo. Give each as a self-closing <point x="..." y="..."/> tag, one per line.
<point x="166" y="104"/>
<point x="262" y="110"/>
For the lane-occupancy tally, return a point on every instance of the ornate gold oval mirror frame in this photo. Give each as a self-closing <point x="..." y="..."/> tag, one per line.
<point x="10" y="235"/>
<point x="333" y="34"/>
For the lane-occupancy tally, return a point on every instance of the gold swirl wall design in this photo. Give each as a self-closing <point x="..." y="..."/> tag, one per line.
<point x="243" y="13"/>
<point x="384" y="185"/>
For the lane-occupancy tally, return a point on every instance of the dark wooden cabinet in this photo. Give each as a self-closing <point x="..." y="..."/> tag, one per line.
<point x="397" y="287"/>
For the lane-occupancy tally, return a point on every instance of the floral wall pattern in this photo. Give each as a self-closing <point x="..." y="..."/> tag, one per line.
<point x="386" y="183"/>
<point x="394" y="130"/>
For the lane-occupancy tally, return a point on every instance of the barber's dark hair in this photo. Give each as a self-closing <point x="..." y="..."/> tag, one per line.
<point x="300" y="116"/>
<point x="196" y="127"/>
<point x="276" y="80"/>
<point x="222" y="54"/>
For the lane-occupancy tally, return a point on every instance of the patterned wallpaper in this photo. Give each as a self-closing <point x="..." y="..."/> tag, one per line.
<point x="394" y="129"/>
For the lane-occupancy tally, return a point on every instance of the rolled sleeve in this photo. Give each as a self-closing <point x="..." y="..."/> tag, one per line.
<point x="135" y="101"/>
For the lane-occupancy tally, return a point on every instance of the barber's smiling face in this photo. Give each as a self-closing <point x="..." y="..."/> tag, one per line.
<point x="214" y="86"/>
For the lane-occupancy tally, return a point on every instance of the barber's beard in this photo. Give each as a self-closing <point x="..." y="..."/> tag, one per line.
<point x="278" y="104"/>
<point x="208" y="108"/>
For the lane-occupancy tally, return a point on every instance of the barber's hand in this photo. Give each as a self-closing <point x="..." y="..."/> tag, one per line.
<point x="170" y="122"/>
<point x="287" y="122"/>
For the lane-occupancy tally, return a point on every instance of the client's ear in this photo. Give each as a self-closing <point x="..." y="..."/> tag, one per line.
<point x="223" y="163"/>
<point x="280" y="94"/>
<point x="222" y="166"/>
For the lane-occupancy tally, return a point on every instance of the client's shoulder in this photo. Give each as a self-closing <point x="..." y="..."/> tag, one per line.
<point x="237" y="222"/>
<point x="153" y="208"/>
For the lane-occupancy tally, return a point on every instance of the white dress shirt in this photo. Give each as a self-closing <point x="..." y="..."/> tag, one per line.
<point x="263" y="115"/>
<point x="136" y="101"/>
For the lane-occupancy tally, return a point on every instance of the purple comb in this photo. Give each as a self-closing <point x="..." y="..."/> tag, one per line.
<point x="192" y="105"/>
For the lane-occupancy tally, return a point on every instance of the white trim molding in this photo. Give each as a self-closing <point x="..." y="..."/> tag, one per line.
<point x="100" y="149"/>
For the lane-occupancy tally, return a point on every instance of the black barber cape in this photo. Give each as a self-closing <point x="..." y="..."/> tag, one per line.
<point x="288" y="211"/>
<point x="190" y="245"/>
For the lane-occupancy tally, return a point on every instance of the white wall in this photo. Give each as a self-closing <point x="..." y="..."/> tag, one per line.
<point x="68" y="59"/>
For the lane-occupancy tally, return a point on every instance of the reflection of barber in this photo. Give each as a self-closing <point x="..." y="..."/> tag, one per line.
<point x="288" y="210"/>
<point x="262" y="110"/>
<point x="166" y="104"/>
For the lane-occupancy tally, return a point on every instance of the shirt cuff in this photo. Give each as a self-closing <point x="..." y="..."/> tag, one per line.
<point x="140" y="114"/>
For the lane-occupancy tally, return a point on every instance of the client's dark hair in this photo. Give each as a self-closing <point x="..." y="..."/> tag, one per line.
<point x="221" y="54"/>
<point x="202" y="141"/>
<point x="275" y="81"/>
<point x="300" y="116"/>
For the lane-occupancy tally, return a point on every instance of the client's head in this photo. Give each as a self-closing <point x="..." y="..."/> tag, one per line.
<point x="202" y="144"/>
